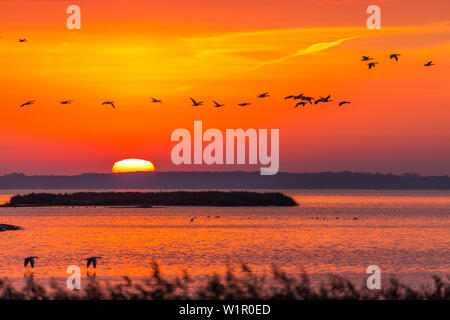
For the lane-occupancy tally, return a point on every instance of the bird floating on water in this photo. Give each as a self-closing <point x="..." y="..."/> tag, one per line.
<point x="195" y="103"/>
<point x="29" y="260"/>
<point x="28" y="103"/>
<point x="395" y="56"/>
<point x="156" y="100"/>
<point x="263" y="95"/>
<point x="93" y="261"/>
<point x="111" y="103"/>
<point x="429" y="64"/>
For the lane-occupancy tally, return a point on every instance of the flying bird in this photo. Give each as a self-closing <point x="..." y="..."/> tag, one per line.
<point x="309" y="99"/>
<point x="289" y="97"/>
<point x="343" y="102"/>
<point x="66" y="101"/>
<point x="366" y="58"/>
<point x="218" y="105"/>
<point x="192" y="219"/>
<point x="110" y="103"/>
<point x="263" y="95"/>
<point x="395" y="56"/>
<point x="300" y="104"/>
<point x="322" y="99"/>
<point x="28" y="103"/>
<point x="429" y="64"/>
<point x="372" y="65"/>
<point x="244" y="104"/>
<point x="23" y="40"/>
<point x="92" y="260"/>
<point x="195" y="103"/>
<point x="29" y="260"/>
<point x="300" y="96"/>
<point x="156" y="100"/>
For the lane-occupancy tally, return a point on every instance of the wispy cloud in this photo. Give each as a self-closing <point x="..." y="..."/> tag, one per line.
<point x="317" y="47"/>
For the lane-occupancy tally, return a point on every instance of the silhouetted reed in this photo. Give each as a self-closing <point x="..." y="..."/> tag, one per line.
<point x="247" y="285"/>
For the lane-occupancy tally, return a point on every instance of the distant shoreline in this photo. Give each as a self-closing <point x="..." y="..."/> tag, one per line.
<point x="150" y="199"/>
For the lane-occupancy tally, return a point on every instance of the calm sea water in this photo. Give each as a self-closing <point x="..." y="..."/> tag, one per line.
<point x="405" y="233"/>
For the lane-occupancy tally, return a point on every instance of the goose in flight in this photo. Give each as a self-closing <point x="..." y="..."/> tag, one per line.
<point x="66" y="101"/>
<point x="110" y="103"/>
<point x="263" y="95"/>
<point x="366" y="58"/>
<point x="300" y="96"/>
<point x="372" y="65"/>
<point x="156" y="100"/>
<point x="23" y="40"/>
<point x="309" y="99"/>
<point x="343" y="102"/>
<point x="289" y="97"/>
<point x="429" y="64"/>
<point x="29" y="260"/>
<point x="218" y="105"/>
<point x="93" y="261"/>
<point x="195" y="103"/>
<point x="244" y="104"/>
<point x="322" y="99"/>
<point x="300" y="104"/>
<point x="28" y="103"/>
<point x="395" y="56"/>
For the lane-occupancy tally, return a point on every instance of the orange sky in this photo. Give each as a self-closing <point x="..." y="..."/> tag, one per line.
<point x="229" y="51"/>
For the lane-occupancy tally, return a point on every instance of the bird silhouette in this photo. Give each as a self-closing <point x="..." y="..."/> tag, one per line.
<point x="372" y="65"/>
<point x="429" y="64"/>
<point x="244" y="104"/>
<point x="93" y="261"/>
<point x="322" y="99"/>
<point x="66" y="101"/>
<point x="29" y="260"/>
<point x="366" y="58"/>
<point x="23" y="40"/>
<point x="192" y="219"/>
<point x="195" y="103"/>
<point x="28" y="103"/>
<point x="343" y="102"/>
<point x="217" y="105"/>
<point x="395" y="56"/>
<point x="289" y="97"/>
<point x="309" y="99"/>
<point x="300" y="96"/>
<point x="263" y="95"/>
<point x="156" y="100"/>
<point x="111" y="103"/>
<point x="300" y="104"/>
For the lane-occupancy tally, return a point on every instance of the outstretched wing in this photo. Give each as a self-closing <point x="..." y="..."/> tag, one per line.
<point x="193" y="101"/>
<point x="25" y="262"/>
<point x="88" y="262"/>
<point x="94" y="263"/>
<point x="32" y="263"/>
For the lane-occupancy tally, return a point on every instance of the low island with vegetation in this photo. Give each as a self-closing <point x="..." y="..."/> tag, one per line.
<point x="148" y="199"/>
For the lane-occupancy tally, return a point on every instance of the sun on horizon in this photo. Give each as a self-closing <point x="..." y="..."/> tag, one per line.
<point x="133" y="165"/>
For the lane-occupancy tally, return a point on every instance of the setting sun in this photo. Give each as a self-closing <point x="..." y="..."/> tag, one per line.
<point x="133" y="165"/>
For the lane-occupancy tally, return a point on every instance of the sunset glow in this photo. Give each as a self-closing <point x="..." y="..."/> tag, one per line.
<point x="133" y="165"/>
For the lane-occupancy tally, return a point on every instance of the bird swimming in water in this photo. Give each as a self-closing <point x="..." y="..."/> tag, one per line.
<point x="218" y="105"/>
<point x="29" y="260"/>
<point x="372" y="65"/>
<point x="93" y="261"/>
<point x="110" y="103"/>
<point x="23" y="40"/>
<point x="263" y="95"/>
<point x="395" y="56"/>
<point x="429" y="64"/>
<point x="244" y="104"/>
<point x="28" y="103"/>
<point x="195" y="103"/>
<point x="156" y="100"/>
<point x="300" y="104"/>
<point x="343" y="102"/>
<point x="366" y="58"/>
<point x="66" y="101"/>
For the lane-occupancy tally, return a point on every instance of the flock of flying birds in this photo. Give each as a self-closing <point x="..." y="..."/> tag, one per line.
<point x="304" y="99"/>
<point x="31" y="261"/>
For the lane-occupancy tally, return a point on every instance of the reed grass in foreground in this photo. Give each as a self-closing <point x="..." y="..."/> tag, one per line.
<point x="248" y="286"/>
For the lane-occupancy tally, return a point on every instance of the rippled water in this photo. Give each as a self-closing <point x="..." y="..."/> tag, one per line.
<point x="406" y="233"/>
